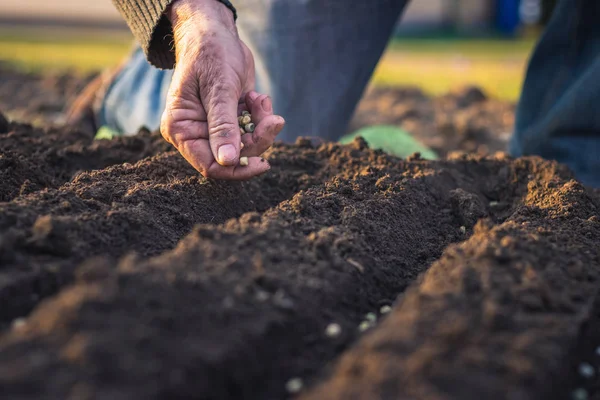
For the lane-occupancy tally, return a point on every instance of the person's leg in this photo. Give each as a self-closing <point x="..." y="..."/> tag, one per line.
<point x="313" y="57"/>
<point x="136" y="96"/>
<point x="557" y="117"/>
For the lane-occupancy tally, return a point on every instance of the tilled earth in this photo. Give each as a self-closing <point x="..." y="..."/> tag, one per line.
<point x="465" y="119"/>
<point x="124" y="274"/>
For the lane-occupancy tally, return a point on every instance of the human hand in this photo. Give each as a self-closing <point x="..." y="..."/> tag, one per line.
<point x="212" y="83"/>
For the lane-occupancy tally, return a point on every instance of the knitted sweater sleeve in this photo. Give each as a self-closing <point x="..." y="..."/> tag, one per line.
<point x="152" y="29"/>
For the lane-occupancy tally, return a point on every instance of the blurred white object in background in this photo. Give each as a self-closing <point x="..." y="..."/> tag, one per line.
<point x="530" y="11"/>
<point x="88" y="10"/>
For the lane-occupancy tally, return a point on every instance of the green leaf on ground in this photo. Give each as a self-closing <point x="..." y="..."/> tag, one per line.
<point x="391" y="139"/>
<point x="105" y="133"/>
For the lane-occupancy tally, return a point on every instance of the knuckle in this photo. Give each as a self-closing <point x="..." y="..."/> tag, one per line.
<point x="223" y="129"/>
<point x="222" y="85"/>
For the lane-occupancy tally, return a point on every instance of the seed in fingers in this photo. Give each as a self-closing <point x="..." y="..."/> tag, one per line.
<point x="243" y="161"/>
<point x="249" y="128"/>
<point x="246" y="119"/>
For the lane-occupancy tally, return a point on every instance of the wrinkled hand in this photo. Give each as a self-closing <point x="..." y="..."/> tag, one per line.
<point x="212" y="83"/>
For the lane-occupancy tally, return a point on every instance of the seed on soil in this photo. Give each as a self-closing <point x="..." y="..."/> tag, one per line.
<point x="249" y="127"/>
<point x="586" y="370"/>
<point x="18" y="323"/>
<point x="463" y="230"/>
<point x="579" y="394"/>
<point x="333" y="330"/>
<point x="494" y="203"/>
<point x="243" y="161"/>
<point x="294" y="385"/>
<point x="371" y="317"/>
<point x="385" y="309"/>
<point x="598" y="350"/>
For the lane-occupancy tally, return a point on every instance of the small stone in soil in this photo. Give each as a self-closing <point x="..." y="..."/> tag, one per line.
<point x="385" y="309"/>
<point x="579" y="394"/>
<point x="282" y="301"/>
<point x="586" y="370"/>
<point x="333" y="330"/>
<point x="294" y="385"/>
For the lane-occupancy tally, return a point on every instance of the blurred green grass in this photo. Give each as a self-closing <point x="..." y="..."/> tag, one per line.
<point x="436" y="66"/>
<point x="82" y="51"/>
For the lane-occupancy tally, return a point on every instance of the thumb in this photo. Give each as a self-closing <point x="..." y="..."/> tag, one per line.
<point x="223" y="128"/>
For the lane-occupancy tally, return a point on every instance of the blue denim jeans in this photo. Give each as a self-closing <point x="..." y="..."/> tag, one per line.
<point x="558" y="114"/>
<point x="315" y="58"/>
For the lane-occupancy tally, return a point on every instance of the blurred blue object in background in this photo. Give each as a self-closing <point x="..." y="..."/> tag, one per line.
<point x="508" y="16"/>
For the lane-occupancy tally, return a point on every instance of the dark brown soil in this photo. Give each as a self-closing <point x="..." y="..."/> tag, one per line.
<point x="465" y="119"/>
<point x="124" y="274"/>
<point x="38" y="99"/>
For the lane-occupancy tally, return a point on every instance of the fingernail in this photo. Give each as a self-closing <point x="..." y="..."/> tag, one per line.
<point x="226" y="154"/>
<point x="267" y="105"/>
<point x="253" y="95"/>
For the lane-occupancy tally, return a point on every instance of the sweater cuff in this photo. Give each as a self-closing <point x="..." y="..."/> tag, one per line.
<point x="152" y="29"/>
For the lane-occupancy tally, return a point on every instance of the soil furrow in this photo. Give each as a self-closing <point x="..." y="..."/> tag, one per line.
<point x="124" y="274"/>
<point x="496" y="317"/>
<point x="245" y="304"/>
<point x="583" y="379"/>
<point x="146" y="207"/>
<point x="33" y="159"/>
